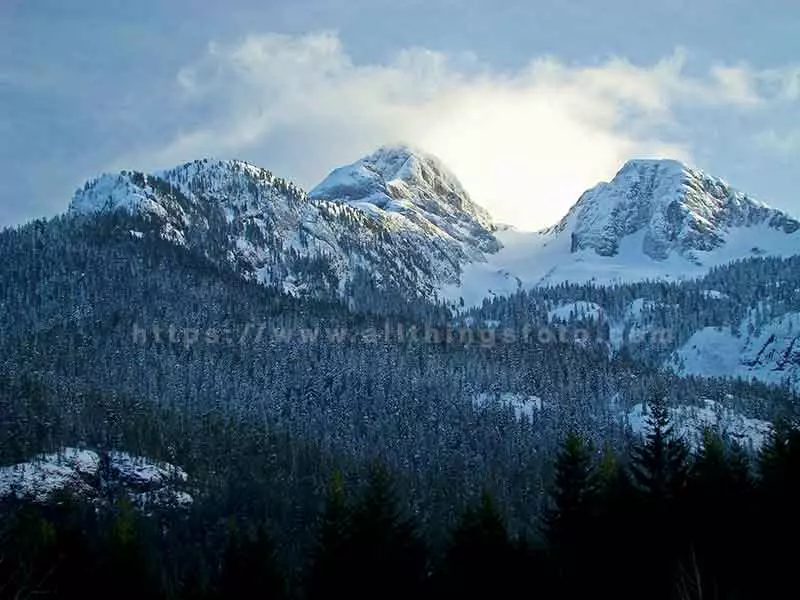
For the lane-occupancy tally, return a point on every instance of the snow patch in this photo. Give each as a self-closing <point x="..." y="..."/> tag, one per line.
<point x="82" y="472"/>
<point x="768" y="352"/>
<point x="690" y="421"/>
<point x="580" y="310"/>
<point x="138" y="470"/>
<point x="714" y="295"/>
<point x="523" y="405"/>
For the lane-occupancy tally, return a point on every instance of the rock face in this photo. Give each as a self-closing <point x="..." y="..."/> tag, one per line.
<point x="419" y="187"/>
<point x="768" y="351"/>
<point x="396" y="220"/>
<point x="398" y="224"/>
<point x="95" y="475"/>
<point x="672" y="207"/>
<point x="691" y="422"/>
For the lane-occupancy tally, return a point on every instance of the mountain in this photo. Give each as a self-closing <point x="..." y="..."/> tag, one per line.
<point x="396" y="222"/>
<point x="656" y="219"/>
<point x="216" y="317"/>
<point x="395" y="230"/>
<point x="675" y="209"/>
<point x="416" y="190"/>
<point x="397" y="225"/>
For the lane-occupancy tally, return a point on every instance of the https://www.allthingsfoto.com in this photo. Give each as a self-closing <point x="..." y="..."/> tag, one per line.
<point x="389" y="333"/>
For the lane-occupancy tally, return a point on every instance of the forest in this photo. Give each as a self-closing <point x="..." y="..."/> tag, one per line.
<point x="342" y="467"/>
<point x="662" y="521"/>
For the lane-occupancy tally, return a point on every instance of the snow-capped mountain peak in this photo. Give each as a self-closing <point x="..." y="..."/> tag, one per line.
<point x="675" y="208"/>
<point x="656" y="219"/>
<point x="231" y="183"/>
<point x="400" y="219"/>
<point x="412" y="230"/>
<point x="376" y="178"/>
<point x="417" y="185"/>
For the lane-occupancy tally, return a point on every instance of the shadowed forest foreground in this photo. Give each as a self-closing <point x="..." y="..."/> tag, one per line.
<point x="660" y="522"/>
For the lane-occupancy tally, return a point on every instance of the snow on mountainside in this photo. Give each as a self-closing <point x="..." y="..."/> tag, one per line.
<point x="690" y="421"/>
<point x="657" y="219"/>
<point x="768" y="352"/>
<point x="401" y="222"/>
<point x="411" y="242"/>
<point x="522" y="405"/>
<point x="86" y="473"/>
<point x="576" y="311"/>
<point x="679" y="210"/>
<point x="414" y="187"/>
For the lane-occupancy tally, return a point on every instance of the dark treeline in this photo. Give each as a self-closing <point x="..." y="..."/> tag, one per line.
<point x="662" y="521"/>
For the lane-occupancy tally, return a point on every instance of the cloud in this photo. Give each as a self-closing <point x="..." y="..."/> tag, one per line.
<point x="525" y="143"/>
<point x="784" y="144"/>
<point x="783" y="83"/>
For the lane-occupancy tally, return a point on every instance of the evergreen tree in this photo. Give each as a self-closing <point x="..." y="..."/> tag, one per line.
<point x="28" y="552"/>
<point x="332" y="561"/>
<point x="249" y="565"/>
<point x="479" y="561"/>
<point x="570" y="523"/>
<point x="779" y="497"/>
<point x="616" y="533"/>
<point x="388" y="556"/>
<point x="574" y="494"/>
<point x="660" y="464"/>
<point x="660" y="473"/>
<point x="717" y="513"/>
<point x="128" y="561"/>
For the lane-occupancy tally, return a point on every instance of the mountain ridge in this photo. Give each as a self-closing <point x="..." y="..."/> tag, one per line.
<point x="401" y="219"/>
<point x="683" y="208"/>
<point x="270" y="230"/>
<point x="656" y="219"/>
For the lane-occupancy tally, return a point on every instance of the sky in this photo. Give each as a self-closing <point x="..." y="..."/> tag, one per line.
<point x="528" y="102"/>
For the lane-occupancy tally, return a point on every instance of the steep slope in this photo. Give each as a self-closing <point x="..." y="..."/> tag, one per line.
<point x="397" y="223"/>
<point x="268" y="230"/>
<point x="676" y="209"/>
<point x="657" y="219"/>
<point x="767" y="351"/>
<point x="417" y="190"/>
